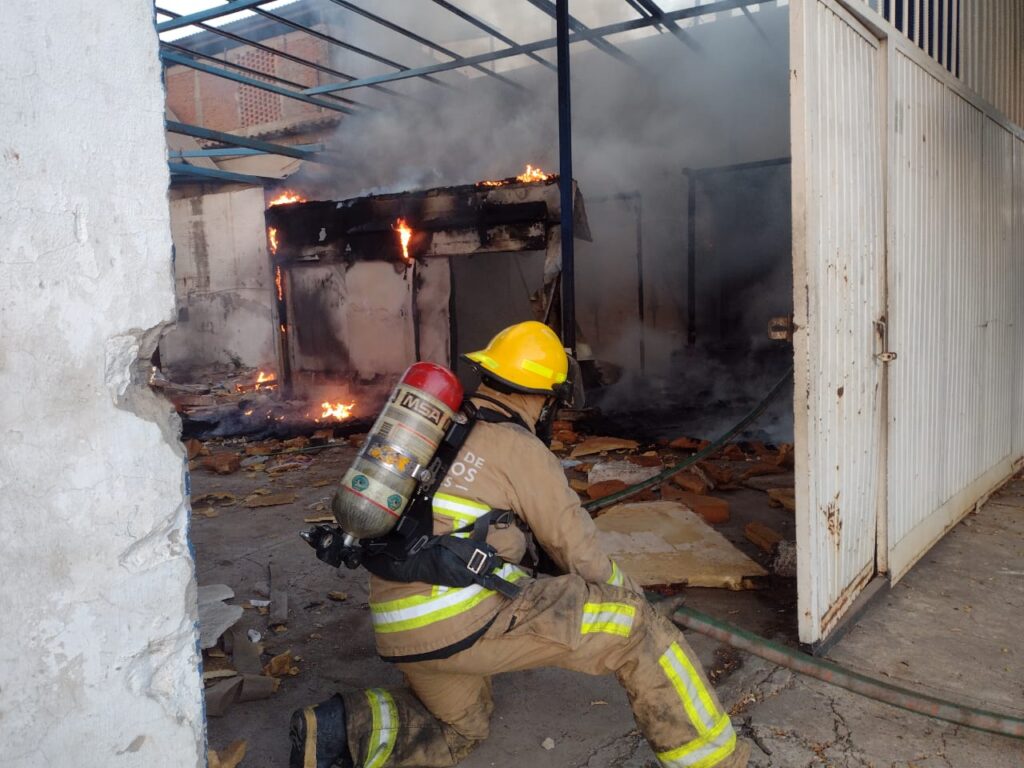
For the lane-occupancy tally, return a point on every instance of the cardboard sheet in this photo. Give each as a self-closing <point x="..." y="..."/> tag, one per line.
<point x="664" y="542"/>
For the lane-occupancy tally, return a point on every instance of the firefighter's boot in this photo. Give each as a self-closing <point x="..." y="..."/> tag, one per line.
<point x="318" y="736"/>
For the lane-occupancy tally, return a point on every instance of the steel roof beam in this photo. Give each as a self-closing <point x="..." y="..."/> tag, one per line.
<point x="209" y="13"/>
<point x="492" y="31"/>
<point x="419" y="39"/>
<point x="540" y="45"/>
<point x="263" y="47"/>
<point x="235" y="151"/>
<point x="347" y="46"/>
<point x="199" y="132"/>
<point x="256" y="73"/>
<point x="656" y="12"/>
<point x="578" y="26"/>
<point x="185" y="61"/>
<point x="184" y="169"/>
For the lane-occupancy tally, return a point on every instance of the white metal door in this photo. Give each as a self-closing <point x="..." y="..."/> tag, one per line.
<point x="952" y="309"/>
<point x="837" y="75"/>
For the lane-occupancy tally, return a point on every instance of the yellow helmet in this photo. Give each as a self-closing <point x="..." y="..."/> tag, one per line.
<point x="527" y="357"/>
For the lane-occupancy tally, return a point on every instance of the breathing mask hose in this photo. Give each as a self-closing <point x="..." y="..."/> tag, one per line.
<point x="833" y="674"/>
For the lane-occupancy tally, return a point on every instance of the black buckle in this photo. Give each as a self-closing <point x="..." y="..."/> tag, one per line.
<point x="477" y="561"/>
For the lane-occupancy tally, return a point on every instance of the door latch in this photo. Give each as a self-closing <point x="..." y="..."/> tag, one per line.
<point x="882" y="331"/>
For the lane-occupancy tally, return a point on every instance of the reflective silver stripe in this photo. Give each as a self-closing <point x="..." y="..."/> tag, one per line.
<point x="420" y="610"/>
<point x="688" y="685"/>
<point x="704" y="751"/>
<point x="385" y="727"/>
<point x="616" y="579"/>
<point x="461" y="512"/>
<point x="610" y="618"/>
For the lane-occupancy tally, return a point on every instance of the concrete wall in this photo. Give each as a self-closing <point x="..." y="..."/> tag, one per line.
<point x="98" y="662"/>
<point x="223" y="281"/>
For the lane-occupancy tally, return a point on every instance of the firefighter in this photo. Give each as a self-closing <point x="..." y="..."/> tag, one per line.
<point x="450" y="641"/>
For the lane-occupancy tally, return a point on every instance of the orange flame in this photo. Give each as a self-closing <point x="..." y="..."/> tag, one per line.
<point x="272" y="237"/>
<point x="340" y="411"/>
<point x="533" y="174"/>
<point x="278" y="283"/>
<point x="286" y="197"/>
<point x="404" y="236"/>
<point x="269" y="378"/>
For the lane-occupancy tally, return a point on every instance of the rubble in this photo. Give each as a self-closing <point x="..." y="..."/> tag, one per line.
<point x="688" y="481"/>
<point x="229" y="757"/>
<point x="784" y="562"/>
<point x="782" y="497"/>
<point x="605" y="488"/>
<point x="215" y="616"/>
<point x="761" y="468"/>
<point x="278" y="596"/>
<point x="765" y="538"/>
<point x="626" y="471"/>
<point x="222" y="463"/>
<point x="268" y="500"/>
<point x="594" y="445"/>
<point x="666" y="543"/>
<point x="714" y="511"/>
<point x="689" y="444"/>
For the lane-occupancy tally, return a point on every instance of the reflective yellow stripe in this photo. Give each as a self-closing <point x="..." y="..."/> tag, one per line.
<point x="610" y="618"/>
<point x="462" y="512"/>
<point x="697" y="701"/>
<point x="422" y="610"/>
<point x="542" y="370"/>
<point x="484" y="360"/>
<point x="705" y="751"/>
<point x="385" y="727"/>
<point x="616" y="579"/>
<point x="309" y="753"/>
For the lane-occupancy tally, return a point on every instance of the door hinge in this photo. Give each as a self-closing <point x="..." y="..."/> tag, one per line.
<point x="886" y="357"/>
<point x="882" y="332"/>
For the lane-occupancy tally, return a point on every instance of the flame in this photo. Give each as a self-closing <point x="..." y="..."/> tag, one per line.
<point x="272" y="237"/>
<point x="277" y="280"/>
<point x="249" y="412"/>
<point x="269" y="378"/>
<point x="528" y="176"/>
<point x="404" y="236"/>
<point x="533" y="174"/>
<point x="284" y="328"/>
<point x="340" y="411"/>
<point x="286" y="197"/>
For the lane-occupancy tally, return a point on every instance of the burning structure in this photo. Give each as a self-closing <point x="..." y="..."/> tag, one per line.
<point x="366" y="286"/>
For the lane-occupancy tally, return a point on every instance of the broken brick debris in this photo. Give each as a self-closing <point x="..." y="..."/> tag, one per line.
<point x="222" y="463"/>
<point x="605" y="488"/>
<point x="732" y="452"/>
<point x="782" y="497"/>
<point x="268" y="500"/>
<point x="765" y="538"/>
<point x="281" y="665"/>
<point x="193" y="448"/>
<point x="593" y="445"/>
<point x="689" y="444"/>
<point x="645" y="460"/>
<point x="720" y="475"/>
<point x="296" y="442"/>
<point x="688" y="481"/>
<point x="578" y="485"/>
<point x="761" y="468"/>
<point x="714" y="511"/>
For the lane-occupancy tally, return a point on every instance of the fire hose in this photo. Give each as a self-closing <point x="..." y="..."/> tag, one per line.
<point x="776" y="653"/>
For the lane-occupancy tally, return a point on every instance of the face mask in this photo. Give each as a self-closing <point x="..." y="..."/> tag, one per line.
<point x="546" y="420"/>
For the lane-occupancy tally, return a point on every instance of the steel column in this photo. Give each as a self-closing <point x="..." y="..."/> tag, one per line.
<point x="565" y="181"/>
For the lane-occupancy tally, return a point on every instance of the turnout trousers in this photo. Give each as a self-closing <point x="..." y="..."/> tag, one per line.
<point x="560" y="622"/>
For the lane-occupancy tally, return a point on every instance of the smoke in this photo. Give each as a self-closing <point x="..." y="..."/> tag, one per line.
<point x="635" y="128"/>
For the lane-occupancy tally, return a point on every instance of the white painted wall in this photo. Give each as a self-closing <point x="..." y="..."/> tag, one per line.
<point x="98" y="663"/>
<point x="223" y="281"/>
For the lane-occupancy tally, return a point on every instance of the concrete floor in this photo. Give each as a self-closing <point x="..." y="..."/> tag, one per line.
<point x="951" y="628"/>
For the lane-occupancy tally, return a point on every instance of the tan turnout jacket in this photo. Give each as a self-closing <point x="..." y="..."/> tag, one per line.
<point x="501" y="466"/>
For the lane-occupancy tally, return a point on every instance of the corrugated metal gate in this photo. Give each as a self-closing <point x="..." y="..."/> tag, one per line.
<point x="838" y="270"/>
<point x="908" y="218"/>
